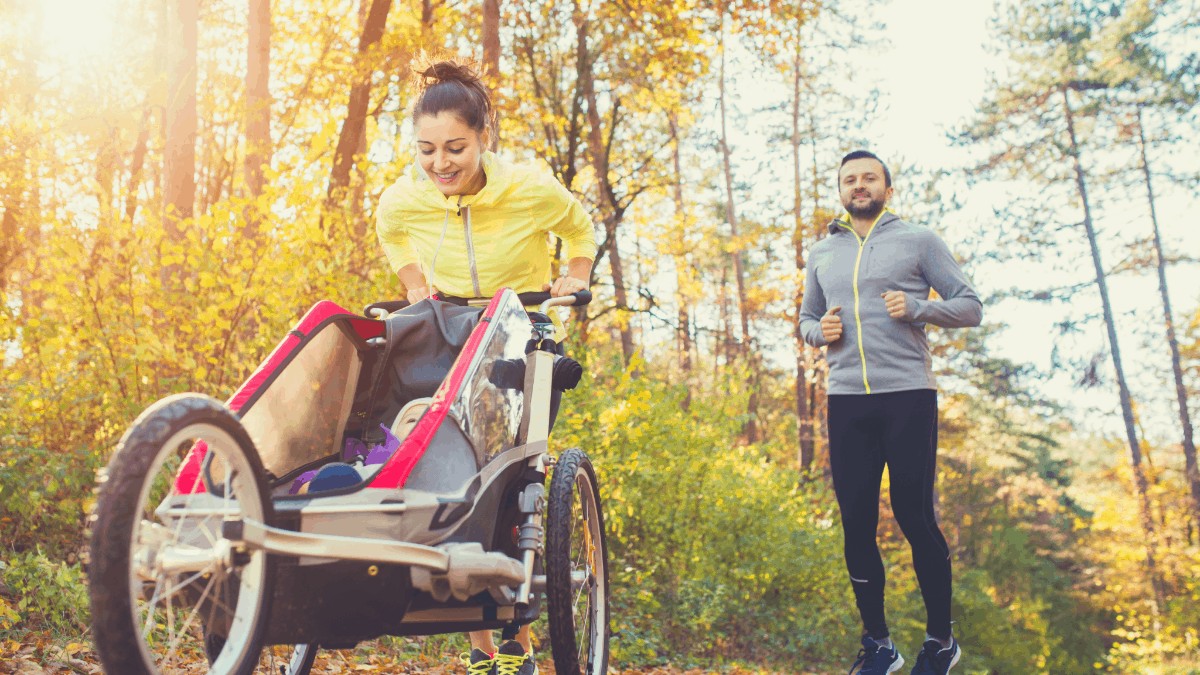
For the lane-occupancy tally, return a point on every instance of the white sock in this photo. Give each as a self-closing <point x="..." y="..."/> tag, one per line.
<point x="944" y="643"/>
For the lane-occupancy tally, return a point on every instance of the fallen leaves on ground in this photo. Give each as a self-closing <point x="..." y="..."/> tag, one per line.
<point x="37" y="654"/>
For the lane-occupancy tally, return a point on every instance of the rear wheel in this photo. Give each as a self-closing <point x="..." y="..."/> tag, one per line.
<point x="169" y="594"/>
<point x="576" y="568"/>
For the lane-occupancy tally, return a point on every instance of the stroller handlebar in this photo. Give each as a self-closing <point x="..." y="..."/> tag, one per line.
<point x="545" y="301"/>
<point x="379" y="310"/>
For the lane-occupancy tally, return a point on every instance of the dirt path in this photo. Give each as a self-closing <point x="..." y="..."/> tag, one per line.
<point x="40" y="656"/>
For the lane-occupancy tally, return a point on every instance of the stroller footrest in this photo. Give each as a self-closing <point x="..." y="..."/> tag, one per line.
<point x="472" y="570"/>
<point x="274" y="540"/>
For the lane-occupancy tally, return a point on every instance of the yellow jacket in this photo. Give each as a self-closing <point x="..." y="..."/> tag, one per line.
<point x="473" y="245"/>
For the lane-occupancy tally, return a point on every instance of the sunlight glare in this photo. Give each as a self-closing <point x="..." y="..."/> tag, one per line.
<point x="79" y="32"/>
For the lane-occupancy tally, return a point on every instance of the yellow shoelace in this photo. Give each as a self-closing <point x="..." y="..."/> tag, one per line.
<point x="507" y="664"/>
<point x="477" y="668"/>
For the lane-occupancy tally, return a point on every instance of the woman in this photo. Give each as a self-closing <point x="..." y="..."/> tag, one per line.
<point x="466" y="223"/>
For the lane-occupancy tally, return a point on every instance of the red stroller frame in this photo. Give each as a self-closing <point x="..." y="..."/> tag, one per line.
<point x="204" y="541"/>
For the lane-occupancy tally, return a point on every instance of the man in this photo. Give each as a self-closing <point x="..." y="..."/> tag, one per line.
<point x="866" y="299"/>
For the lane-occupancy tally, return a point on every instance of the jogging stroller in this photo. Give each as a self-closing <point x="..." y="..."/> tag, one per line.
<point x="376" y="475"/>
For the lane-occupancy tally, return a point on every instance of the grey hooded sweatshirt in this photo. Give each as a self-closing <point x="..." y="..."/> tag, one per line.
<point x="877" y="353"/>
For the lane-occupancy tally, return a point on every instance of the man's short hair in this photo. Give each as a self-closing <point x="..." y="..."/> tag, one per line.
<point x="866" y="154"/>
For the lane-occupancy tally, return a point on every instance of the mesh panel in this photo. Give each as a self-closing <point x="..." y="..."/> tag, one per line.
<point x="302" y="414"/>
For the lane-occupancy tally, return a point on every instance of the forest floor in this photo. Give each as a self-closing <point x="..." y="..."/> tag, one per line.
<point x="43" y="655"/>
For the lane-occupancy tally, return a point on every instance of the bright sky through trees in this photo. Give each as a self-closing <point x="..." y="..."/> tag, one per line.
<point x="79" y="31"/>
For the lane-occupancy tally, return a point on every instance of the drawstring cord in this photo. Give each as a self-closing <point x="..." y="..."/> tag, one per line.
<point x="433" y="265"/>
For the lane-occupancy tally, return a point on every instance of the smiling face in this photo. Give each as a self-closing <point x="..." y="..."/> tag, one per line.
<point x="451" y="153"/>
<point x="863" y="187"/>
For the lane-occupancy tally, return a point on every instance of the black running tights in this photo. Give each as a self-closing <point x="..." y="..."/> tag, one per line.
<point x="899" y="430"/>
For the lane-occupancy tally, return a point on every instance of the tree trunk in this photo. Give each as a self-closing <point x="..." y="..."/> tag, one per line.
<point x="597" y="151"/>
<point x="804" y="425"/>
<point x="611" y="225"/>
<point x="258" y="104"/>
<point x="1189" y="447"/>
<point x="491" y="55"/>
<point x="179" y="194"/>
<point x="725" y="323"/>
<point x="1135" y="450"/>
<point x="137" y="164"/>
<point x="11" y="237"/>
<point x="427" y="9"/>
<point x="750" y="429"/>
<point x="683" y="335"/>
<point x="491" y="37"/>
<point x="354" y="126"/>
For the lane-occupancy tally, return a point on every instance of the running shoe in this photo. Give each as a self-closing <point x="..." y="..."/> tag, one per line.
<point x="874" y="659"/>
<point x="478" y="662"/>
<point x="512" y="660"/>
<point x="935" y="659"/>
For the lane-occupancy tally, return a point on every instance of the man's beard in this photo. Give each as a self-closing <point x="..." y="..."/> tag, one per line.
<point x="871" y="209"/>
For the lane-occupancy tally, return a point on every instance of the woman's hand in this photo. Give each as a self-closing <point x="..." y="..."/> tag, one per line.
<point x="416" y="286"/>
<point x="418" y="294"/>
<point x="566" y="286"/>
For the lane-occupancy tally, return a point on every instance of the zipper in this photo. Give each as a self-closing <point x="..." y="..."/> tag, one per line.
<point x="470" y="249"/>
<point x="862" y="242"/>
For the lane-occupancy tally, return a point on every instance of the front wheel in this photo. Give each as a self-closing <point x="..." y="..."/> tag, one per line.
<point x="576" y="568"/>
<point x="168" y="592"/>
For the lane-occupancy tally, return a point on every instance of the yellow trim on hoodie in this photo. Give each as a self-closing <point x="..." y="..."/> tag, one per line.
<point x="844" y="221"/>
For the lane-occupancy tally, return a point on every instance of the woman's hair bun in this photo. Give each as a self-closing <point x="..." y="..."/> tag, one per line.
<point x="455" y="86"/>
<point x="437" y="72"/>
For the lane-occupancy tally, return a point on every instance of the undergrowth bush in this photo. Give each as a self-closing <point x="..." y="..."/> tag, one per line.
<point x="48" y="595"/>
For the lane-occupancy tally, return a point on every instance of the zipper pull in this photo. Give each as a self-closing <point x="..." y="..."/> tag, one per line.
<point x="459" y="212"/>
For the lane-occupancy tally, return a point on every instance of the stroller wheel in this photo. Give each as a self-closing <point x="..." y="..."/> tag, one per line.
<point x="167" y="589"/>
<point x="288" y="659"/>
<point x="275" y="659"/>
<point x="576" y="568"/>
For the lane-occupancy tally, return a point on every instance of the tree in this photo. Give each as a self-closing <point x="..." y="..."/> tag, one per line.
<point x="491" y="52"/>
<point x="258" y="102"/>
<point x="1141" y="83"/>
<point x="1049" y="42"/>
<point x="181" y="117"/>
<point x="354" y="124"/>
<point x="736" y="254"/>
<point x="626" y="133"/>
